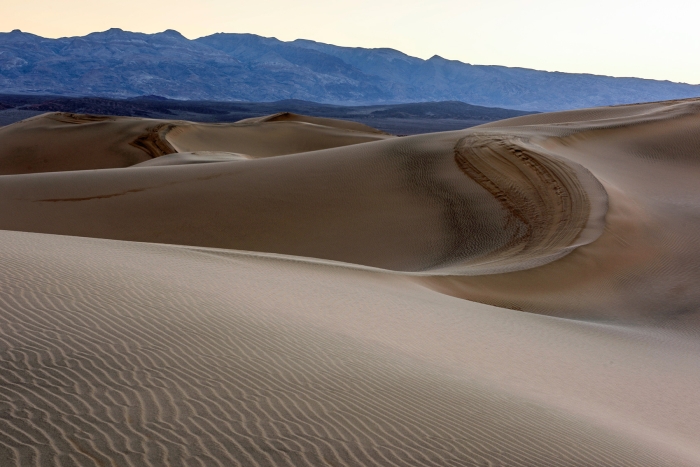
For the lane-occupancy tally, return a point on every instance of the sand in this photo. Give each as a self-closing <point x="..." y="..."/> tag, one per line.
<point x="294" y="291"/>
<point x="60" y="141"/>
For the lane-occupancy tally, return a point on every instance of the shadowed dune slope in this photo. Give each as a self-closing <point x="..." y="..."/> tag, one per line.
<point x="645" y="264"/>
<point x="148" y="355"/>
<point x="409" y="204"/>
<point x="64" y="141"/>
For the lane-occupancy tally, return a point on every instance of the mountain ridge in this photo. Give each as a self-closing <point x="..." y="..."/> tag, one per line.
<point x="247" y="67"/>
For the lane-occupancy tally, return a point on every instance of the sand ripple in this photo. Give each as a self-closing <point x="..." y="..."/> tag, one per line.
<point x="303" y="292"/>
<point x="105" y="362"/>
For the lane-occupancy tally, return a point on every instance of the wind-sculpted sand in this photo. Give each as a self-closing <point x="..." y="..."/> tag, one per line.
<point x="64" y="141"/>
<point x="298" y="291"/>
<point x="405" y="204"/>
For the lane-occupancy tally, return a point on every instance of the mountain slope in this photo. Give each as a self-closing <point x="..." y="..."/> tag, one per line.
<point x="246" y="67"/>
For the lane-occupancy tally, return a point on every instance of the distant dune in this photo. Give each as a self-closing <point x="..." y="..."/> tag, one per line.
<point x="57" y="142"/>
<point x="399" y="119"/>
<point x="294" y="290"/>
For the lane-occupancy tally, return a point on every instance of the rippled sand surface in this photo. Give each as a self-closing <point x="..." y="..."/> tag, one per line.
<point x="298" y="291"/>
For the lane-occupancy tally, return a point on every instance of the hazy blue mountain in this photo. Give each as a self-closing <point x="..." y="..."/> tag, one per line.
<point x="246" y="67"/>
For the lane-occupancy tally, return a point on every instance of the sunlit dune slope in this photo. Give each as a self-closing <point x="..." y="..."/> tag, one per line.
<point x="196" y="157"/>
<point x="117" y="353"/>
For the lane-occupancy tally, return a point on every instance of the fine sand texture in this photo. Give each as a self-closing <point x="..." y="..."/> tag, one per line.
<point x="299" y="291"/>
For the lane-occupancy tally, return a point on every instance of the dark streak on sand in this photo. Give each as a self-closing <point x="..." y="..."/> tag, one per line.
<point x="154" y="143"/>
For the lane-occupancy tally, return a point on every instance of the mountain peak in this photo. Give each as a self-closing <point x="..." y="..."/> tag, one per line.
<point x="172" y="33"/>
<point x="17" y="34"/>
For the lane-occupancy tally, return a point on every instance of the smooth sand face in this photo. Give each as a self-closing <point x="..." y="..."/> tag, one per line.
<point x="64" y="141"/>
<point x="403" y="205"/>
<point x="424" y="203"/>
<point x="520" y="293"/>
<point x="196" y="157"/>
<point x="643" y="266"/>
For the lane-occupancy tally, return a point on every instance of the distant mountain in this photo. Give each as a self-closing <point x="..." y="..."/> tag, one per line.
<point x="400" y="119"/>
<point x="246" y="67"/>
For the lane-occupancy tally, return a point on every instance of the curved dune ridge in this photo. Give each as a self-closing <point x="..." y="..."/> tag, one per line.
<point x="197" y="157"/>
<point x="62" y="141"/>
<point x="556" y="205"/>
<point x="643" y="266"/>
<point x="291" y="290"/>
<point x="417" y="204"/>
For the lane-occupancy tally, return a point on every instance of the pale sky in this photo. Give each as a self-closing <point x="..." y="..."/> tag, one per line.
<point x="648" y="39"/>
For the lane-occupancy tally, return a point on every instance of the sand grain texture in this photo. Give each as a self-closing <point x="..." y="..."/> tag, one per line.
<point x="303" y="292"/>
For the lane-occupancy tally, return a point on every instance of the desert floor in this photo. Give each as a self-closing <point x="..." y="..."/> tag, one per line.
<point x="300" y="291"/>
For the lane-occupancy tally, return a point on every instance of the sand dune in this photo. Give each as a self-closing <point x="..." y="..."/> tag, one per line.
<point x="63" y="141"/>
<point x="142" y="354"/>
<point x="197" y="157"/>
<point x="328" y="122"/>
<point x="520" y="293"/>
<point x="644" y="265"/>
<point x="408" y="204"/>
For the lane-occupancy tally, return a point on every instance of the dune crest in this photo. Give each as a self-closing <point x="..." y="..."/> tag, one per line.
<point x="62" y="141"/>
<point x="197" y="157"/>
<point x="329" y="122"/>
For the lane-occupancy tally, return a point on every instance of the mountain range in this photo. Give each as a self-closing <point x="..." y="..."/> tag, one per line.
<point x="398" y="119"/>
<point x="251" y="68"/>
